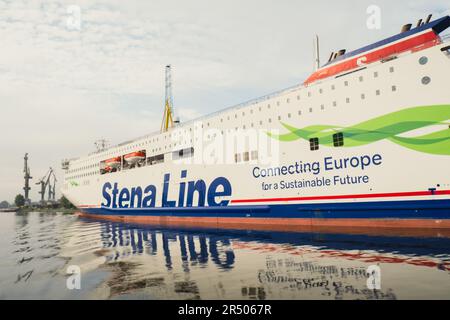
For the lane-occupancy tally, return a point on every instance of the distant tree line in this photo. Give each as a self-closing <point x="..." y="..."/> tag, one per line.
<point x="65" y="203"/>
<point x="19" y="201"/>
<point x="4" y="204"/>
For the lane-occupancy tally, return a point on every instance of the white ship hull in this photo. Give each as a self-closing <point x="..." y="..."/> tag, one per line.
<point x="381" y="158"/>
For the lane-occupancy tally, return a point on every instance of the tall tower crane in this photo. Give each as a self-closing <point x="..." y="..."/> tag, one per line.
<point x="52" y="189"/>
<point x="168" y="117"/>
<point x="27" y="177"/>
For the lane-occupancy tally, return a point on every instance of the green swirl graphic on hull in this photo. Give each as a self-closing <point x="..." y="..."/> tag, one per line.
<point x="389" y="126"/>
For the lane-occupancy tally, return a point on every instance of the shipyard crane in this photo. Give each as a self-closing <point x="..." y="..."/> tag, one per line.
<point x="27" y="178"/>
<point x="168" y="117"/>
<point x="52" y="189"/>
<point x="44" y="182"/>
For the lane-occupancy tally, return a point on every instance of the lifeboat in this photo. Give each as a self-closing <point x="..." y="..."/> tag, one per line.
<point x="134" y="157"/>
<point x="106" y="169"/>
<point x="114" y="163"/>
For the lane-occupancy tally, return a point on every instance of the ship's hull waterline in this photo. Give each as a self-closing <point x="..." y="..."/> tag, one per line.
<point x="368" y="148"/>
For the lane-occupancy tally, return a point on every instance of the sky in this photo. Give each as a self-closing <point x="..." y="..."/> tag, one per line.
<point x="73" y="72"/>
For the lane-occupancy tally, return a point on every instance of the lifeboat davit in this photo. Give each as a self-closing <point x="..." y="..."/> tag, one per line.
<point x="114" y="163"/>
<point x="134" y="157"/>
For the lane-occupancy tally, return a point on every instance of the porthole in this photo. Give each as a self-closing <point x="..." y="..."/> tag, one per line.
<point x="423" y="60"/>
<point x="426" y="80"/>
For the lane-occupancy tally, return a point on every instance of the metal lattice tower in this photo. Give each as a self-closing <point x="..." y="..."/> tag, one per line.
<point x="27" y="178"/>
<point x="168" y="116"/>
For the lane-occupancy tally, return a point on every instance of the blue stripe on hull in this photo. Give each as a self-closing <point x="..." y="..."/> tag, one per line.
<point x="411" y="209"/>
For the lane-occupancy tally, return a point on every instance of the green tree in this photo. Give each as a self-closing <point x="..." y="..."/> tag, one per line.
<point x="65" y="203"/>
<point x="19" y="200"/>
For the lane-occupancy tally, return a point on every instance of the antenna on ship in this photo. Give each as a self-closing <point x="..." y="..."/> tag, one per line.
<point x="168" y="117"/>
<point x="316" y="53"/>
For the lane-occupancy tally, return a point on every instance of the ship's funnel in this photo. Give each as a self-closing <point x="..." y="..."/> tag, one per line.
<point x="428" y="18"/>
<point x="419" y="23"/>
<point x="406" y="27"/>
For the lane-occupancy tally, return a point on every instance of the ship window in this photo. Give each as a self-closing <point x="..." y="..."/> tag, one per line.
<point x="246" y="156"/>
<point x="332" y="87"/>
<point x="278" y="103"/>
<point x="426" y="80"/>
<point x="254" y="155"/>
<point x="391" y="69"/>
<point x="310" y="109"/>
<point x="363" y="96"/>
<point x="361" y="79"/>
<point x="346" y="83"/>
<point x="338" y="139"/>
<point x="279" y="117"/>
<point x="260" y="122"/>
<point x="268" y="106"/>
<point x="270" y="120"/>
<point x="320" y="90"/>
<point x="287" y="100"/>
<point x="334" y="103"/>
<point x="314" y="144"/>
<point x="347" y="100"/>
<point x="322" y="107"/>
<point x="394" y="88"/>
<point x="375" y="74"/>
<point x="237" y="157"/>
<point x="289" y="115"/>
<point x="251" y="111"/>
<point x="299" y="112"/>
<point x="298" y="97"/>
<point x="309" y="94"/>
<point x="377" y="92"/>
<point x="155" y="159"/>
<point x="183" y="153"/>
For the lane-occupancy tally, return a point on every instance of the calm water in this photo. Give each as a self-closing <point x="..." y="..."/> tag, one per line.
<point x="120" y="261"/>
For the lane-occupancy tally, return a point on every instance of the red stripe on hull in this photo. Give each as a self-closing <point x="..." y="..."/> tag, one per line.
<point x="417" y="43"/>
<point x="348" y="196"/>
<point x="422" y="227"/>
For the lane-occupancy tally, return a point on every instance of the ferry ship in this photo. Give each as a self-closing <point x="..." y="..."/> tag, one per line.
<point x="363" y="142"/>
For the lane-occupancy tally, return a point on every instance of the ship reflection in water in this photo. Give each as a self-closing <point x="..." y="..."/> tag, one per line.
<point x="122" y="261"/>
